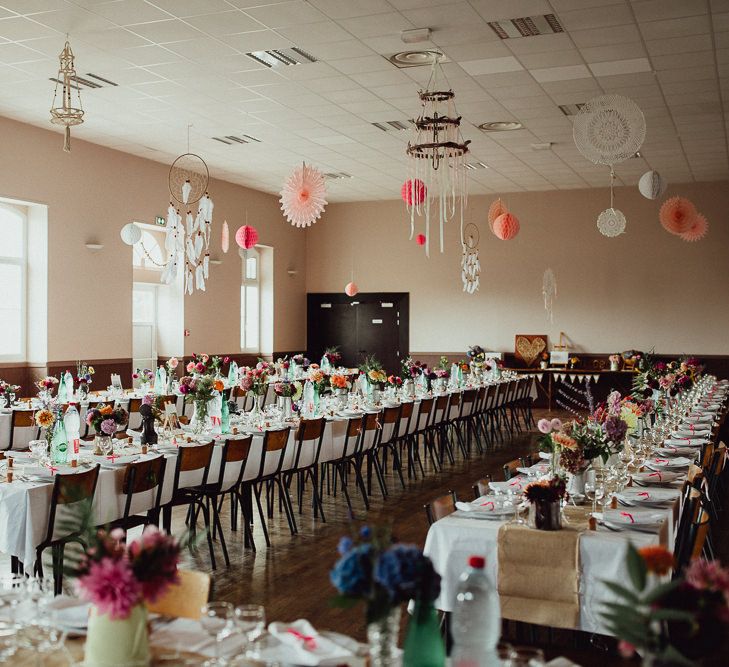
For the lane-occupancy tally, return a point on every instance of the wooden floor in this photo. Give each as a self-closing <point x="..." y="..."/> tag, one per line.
<point x="291" y="578"/>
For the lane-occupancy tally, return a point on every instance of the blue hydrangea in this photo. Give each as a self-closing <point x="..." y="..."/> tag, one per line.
<point x="345" y="544"/>
<point x="352" y="574"/>
<point x="365" y="532"/>
<point x="397" y="570"/>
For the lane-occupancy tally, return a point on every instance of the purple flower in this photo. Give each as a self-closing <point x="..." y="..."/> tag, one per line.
<point x="615" y="429"/>
<point x="108" y="426"/>
<point x="111" y="586"/>
<point x="556" y="424"/>
<point x="544" y="425"/>
<point x="147" y="400"/>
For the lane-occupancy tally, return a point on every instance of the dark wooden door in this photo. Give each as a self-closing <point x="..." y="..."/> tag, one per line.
<point x="368" y="324"/>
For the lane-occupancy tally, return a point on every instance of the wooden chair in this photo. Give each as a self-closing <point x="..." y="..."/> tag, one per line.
<point x="72" y="496"/>
<point x="346" y="460"/>
<point x="693" y="530"/>
<point x="440" y="507"/>
<point x="309" y="436"/>
<point x="186" y="598"/>
<point x="22" y="419"/>
<point x="142" y="487"/>
<point x="481" y="488"/>
<point x="388" y="436"/>
<point x="510" y="468"/>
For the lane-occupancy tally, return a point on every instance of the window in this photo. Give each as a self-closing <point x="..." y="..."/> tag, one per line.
<point x="250" y="302"/>
<point x="13" y="297"/>
<point x="148" y="253"/>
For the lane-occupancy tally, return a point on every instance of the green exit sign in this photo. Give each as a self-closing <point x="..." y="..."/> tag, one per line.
<point x="159" y="220"/>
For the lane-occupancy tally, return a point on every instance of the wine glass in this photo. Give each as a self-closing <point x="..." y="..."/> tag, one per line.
<point x="594" y="488"/>
<point x="526" y="656"/>
<point x="217" y="620"/>
<point x="251" y="620"/>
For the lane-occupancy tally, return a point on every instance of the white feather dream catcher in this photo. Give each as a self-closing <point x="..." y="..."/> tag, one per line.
<point x="188" y="241"/>
<point x="470" y="263"/>
<point x="549" y="292"/>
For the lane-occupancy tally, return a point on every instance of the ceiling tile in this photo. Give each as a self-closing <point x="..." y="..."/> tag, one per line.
<point x="551" y="59"/>
<point x="561" y="73"/>
<point x="623" y="34"/>
<point x="683" y="27"/>
<point x="631" y="66"/>
<point x="224" y="23"/>
<point x="678" y="45"/>
<point x="491" y="65"/>
<point x="188" y="8"/>
<point x="596" y="54"/>
<point x="162" y="32"/>
<point x="596" y="17"/>
<point x="653" y="10"/>
<point x="376" y="25"/>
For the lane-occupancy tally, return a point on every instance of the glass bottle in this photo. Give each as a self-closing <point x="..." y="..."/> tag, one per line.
<point x="424" y="645"/>
<point x="59" y="442"/>
<point x="224" y="417"/>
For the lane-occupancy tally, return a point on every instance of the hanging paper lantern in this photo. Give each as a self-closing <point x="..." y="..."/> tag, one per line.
<point x="351" y="289"/>
<point x="246" y="237"/>
<point x="303" y="196"/>
<point x="420" y="239"/>
<point x="413" y="192"/>
<point x="130" y="234"/>
<point x="652" y="185"/>
<point x="496" y="209"/>
<point x="698" y="229"/>
<point x="225" y="237"/>
<point x="677" y="215"/>
<point x="506" y="226"/>
<point x="611" y="222"/>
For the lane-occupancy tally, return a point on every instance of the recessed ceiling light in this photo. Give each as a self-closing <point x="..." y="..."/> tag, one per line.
<point x="500" y="126"/>
<point x="415" y="58"/>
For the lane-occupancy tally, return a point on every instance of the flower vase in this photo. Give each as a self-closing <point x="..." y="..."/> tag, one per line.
<point x="576" y="484"/>
<point x="424" y="646"/>
<point x="382" y="638"/>
<point x="342" y="397"/>
<point x="545" y="515"/>
<point x="614" y="366"/>
<point x="200" y="417"/>
<point x="103" y="445"/>
<point x="375" y="394"/>
<point x="117" y="642"/>
<point x="144" y="387"/>
<point x="256" y="413"/>
<point x="83" y="392"/>
<point x="544" y="365"/>
<point x="284" y="403"/>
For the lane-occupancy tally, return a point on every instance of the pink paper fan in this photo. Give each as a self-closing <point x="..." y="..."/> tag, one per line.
<point x="246" y="237"/>
<point x="698" y="229"/>
<point x="677" y="215"/>
<point x="506" y="226"/>
<point x="225" y="237"/>
<point x="303" y="196"/>
<point x="413" y="192"/>
<point x="496" y="209"/>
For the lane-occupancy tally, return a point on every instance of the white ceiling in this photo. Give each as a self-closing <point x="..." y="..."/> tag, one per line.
<point x="180" y="62"/>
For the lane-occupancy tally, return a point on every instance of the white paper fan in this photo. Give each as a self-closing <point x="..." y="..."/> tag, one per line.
<point x="611" y="222"/>
<point x="609" y="129"/>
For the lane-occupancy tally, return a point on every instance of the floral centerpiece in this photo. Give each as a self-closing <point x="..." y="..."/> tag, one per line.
<point x="412" y="369"/>
<point x="394" y="381"/>
<point x="255" y="379"/>
<point x="333" y="355"/>
<point x="476" y="355"/>
<point x="300" y="360"/>
<point x="145" y="377"/>
<point x="200" y="389"/>
<point x="544" y="497"/>
<point x="382" y="574"/>
<point x="204" y="364"/>
<point x="372" y="368"/>
<point x="118" y="578"/>
<point x="8" y="392"/>
<point x="680" y="622"/>
<point x="319" y="379"/>
<point x="84" y="375"/>
<point x="45" y="388"/>
<point x="45" y="418"/>
<point x="339" y="382"/>
<point x="614" y="360"/>
<point x="106" y="421"/>
<point x="288" y="392"/>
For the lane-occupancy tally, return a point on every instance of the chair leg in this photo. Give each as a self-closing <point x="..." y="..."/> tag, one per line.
<point x="216" y="524"/>
<point x="257" y="493"/>
<point x="208" y="531"/>
<point x="372" y="456"/>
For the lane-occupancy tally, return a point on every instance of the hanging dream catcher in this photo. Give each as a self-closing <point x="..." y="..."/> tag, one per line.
<point x="549" y="292"/>
<point x="303" y="197"/>
<point x="608" y="130"/>
<point x="187" y="240"/>
<point x="470" y="264"/>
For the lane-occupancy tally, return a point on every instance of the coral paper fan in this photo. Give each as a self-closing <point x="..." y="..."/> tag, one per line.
<point x="351" y="289"/>
<point x="246" y="237"/>
<point x="413" y="192"/>
<point x="303" y="196"/>
<point x="677" y="215"/>
<point x="496" y="209"/>
<point x="506" y="226"/>
<point x="698" y="229"/>
<point x="420" y="239"/>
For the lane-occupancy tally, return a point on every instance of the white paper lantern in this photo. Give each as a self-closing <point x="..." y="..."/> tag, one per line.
<point x="652" y="185"/>
<point x="130" y="234"/>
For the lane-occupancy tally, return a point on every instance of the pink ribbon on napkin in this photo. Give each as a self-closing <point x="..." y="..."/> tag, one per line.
<point x="53" y="470"/>
<point x="112" y="458"/>
<point x="660" y="460"/>
<point x="486" y="504"/>
<point x="629" y="515"/>
<point x="645" y="494"/>
<point x="656" y="474"/>
<point x="309" y="642"/>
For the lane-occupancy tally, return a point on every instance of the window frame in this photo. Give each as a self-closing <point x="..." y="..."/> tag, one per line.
<point x="21" y="261"/>
<point x="145" y="263"/>
<point x="252" y="253"/>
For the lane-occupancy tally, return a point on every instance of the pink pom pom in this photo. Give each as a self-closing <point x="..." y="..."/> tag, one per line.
<point x="677" y="215"/>
<point x="420" y="239"/>
<point x="413" y="192"/>
<point x="351" y="289"/>
<point x="246" y="237"/>
<point x="506" y="226"/>
<point x="698" y="229"/>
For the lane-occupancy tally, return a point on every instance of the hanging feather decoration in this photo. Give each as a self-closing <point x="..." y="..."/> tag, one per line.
<point x="549" y="292"/>
<point x="225" y="237"/>
<point x="186" y="190"/>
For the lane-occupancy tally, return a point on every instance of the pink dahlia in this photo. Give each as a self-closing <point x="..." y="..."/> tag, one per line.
<point x="108" y="426"/>
<point x="111" y="587"/>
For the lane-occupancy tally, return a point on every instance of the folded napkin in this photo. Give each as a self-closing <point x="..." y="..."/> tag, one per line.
<point x="488" y="504"/>
<point x="685" y="442"/>
<point x="633" y="518"/>
<point x="700" y="419"/>
<point x="688" y="432"/>
<point x="661" y="464"/>
<point x="186" y="635"/>
<point x="71" y="613"/>
<point x="309" y="647"/>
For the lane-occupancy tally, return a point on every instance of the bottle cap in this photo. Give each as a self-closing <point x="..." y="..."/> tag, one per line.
<point x="477" y="562"/>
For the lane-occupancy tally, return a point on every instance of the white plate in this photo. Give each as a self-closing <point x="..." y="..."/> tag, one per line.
<point x="515" y="485"/>
<point x="654" y="496"/>
<point x="657" y="477"/>
<point x="636" y="518"/>
<point x="490" y="506"/>
<point x="664" y="464"/>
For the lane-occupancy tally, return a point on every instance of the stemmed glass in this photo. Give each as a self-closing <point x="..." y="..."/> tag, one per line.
<point x="217" y="620"/>
<point x="250" y="619"/>
<point x="594" y="487"/>
<point x="514" y="497"/>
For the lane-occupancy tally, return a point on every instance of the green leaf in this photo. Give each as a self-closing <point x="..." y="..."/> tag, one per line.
<point x="636" y="568"/>
<point x="674" y="657"/>
<point x="631" y="614"/>
<point x="672" y="615"/>
<point x="623" y="592"/>
<point x="660" y="590"/>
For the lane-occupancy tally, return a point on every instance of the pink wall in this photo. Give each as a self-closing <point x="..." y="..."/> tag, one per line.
<point x="643" y="289"/>
<point x="91" y="193"/>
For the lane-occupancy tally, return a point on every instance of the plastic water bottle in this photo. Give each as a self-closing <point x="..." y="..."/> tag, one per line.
<point x="476" y="626"/>
<point x="72" y="424"/>
<point x="68" y="381"/>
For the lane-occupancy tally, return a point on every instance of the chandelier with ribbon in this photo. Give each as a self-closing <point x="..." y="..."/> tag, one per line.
<point x="437" y="156"/>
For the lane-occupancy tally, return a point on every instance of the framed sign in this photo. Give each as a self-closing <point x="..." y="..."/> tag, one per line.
<point x="528" y="347"/>
<point x="559" y="357"/>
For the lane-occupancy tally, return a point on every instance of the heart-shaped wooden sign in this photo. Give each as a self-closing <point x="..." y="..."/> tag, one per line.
<point x="529" y="347"/>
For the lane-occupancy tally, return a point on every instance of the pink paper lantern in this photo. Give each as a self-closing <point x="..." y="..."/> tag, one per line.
<point x="420" y="239"/>
<point x="351" y="289"/>
<point x="413" y="191"/>
<point x="496" y="209"/>
<point x="246" y="237"/>
<point x="698" y="229"/>
<point x="677" y="215"/>
<point x="506" y="226"/>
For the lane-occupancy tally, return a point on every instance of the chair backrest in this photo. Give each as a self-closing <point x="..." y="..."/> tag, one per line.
<point x="142" y="485"/>
<point x="233" y="462"/>
<point x="369" y="437"/>
<point x="21" y="419"/>
<point x="440" y="507"/>
<point x="193" y="465"/>
<point x="70" y="493"/>
<point x="407" y="423"/>
<point x="390" y="423"/>
<point x="481" y="487"/>
<point x="275" y="444"/>
<point x="309" y="437"/>
<point x="424" y="412"/>
<point x="510" y="468"/>
<point x="186" y="598"/>
<point x="439" y="409"/>
<point x="468" y="402"/>
<point x="692" y="529"/>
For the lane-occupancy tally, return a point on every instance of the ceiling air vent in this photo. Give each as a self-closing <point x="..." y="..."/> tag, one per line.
<point x="527" y="26"/>
<point x="390" y="125"/>
<point x="242" y="139"/>
<point x="571" y="109"/>
<point x="93" y="81"/>
<point x="476" y="165"/>
<point x="337" y="175"/>
<point x="282" y="57"/>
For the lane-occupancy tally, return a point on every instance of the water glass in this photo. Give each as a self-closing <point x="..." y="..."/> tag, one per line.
<point x="250" y="619"/>
<point x="523" y="656"/>
<point x="217" y="620"/>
